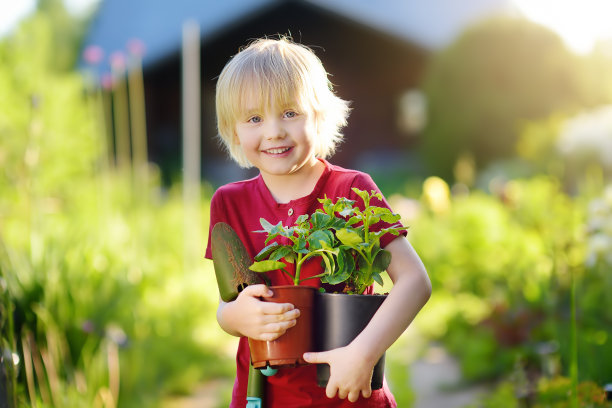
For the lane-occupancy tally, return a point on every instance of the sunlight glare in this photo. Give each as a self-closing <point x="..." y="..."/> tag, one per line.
<point x="581" y="23"/>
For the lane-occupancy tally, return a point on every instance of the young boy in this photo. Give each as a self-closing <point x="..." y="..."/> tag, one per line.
<point x="276" y="111"/>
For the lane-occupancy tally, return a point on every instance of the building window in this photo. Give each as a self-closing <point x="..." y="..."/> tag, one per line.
<point x="412" y="107"/>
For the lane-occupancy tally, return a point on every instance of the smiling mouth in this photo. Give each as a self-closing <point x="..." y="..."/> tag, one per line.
<point x="279" y="150"/>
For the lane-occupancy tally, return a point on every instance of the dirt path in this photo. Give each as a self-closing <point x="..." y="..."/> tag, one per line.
<point x="435" y="378"/>
<point x="205" y="396"/>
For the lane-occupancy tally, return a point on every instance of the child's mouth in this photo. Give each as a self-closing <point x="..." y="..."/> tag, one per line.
<point x="277" y="151"/>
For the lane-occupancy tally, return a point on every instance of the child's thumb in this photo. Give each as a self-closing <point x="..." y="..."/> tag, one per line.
<point x="316" y="358"/>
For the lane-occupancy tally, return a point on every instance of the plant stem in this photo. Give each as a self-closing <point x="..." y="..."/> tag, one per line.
<point x="298" y="268"/>
<point x="301" y="258"/>
<point x="313" y="277"/>
<point x="287" y="273"/>
<point x="573" y="342"/>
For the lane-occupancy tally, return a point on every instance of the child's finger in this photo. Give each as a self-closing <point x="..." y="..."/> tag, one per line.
<point x="367" y="393"/>
<point x="271" y="308"/>
<point x="279" y="327"/>
<point x="259" y="290"/>
<point x="331" y="390"/>
<point x="353" y="395"/>
<point x="282" y="317"/>
<point x="316" y="358"/>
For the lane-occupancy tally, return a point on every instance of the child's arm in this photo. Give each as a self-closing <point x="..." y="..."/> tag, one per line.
<point x="249" y="316"/>
<point x="350" y="377"/>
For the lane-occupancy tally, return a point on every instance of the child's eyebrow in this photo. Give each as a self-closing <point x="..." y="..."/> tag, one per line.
<point x="250" y="111"/>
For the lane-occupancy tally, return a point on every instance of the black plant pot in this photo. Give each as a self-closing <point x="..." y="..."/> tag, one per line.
<point x="340" y="318"/>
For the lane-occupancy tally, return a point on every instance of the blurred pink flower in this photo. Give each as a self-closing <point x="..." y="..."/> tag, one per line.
<point x="93" y="54"/>
<point x="136" y="47"/>
<point x="88" y="326"/>
<point x="117" y="60"/>
<point x="107" y="81"/>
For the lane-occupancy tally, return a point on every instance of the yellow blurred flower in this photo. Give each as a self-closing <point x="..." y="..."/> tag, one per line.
<point x="436" y="194"/>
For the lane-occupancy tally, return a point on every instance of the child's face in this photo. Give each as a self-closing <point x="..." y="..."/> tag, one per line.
<point x="278" y="140"/>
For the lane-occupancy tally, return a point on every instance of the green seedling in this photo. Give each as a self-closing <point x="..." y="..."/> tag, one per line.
<point x="360" y="259"/>
<point x="341" y="234"/>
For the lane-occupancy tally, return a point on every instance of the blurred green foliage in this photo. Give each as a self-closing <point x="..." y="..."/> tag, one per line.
<point x="96" y="298"/>
<point x="496" y="75"/>
<point x="548" y="393"/>
<point x="502" y="267"/>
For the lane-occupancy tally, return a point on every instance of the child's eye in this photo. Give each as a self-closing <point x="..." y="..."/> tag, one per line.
<point x="254" y="119"/>
<point x="290" y="114"/>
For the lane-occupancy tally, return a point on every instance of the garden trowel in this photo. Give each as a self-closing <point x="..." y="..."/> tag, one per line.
<point x="231" y="261"/>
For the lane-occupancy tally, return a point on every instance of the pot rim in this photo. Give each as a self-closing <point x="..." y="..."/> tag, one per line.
<point x="352" y="294"/>
<point x="293" y="286"/>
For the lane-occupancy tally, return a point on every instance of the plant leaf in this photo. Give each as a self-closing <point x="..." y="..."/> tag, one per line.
<point x="378" y="279"/>
<point x="280" y="253"/>
<point x="346" y="262"/>
<point x="328" y="206"/>
<point x="349" y="237"/>
<point x="266" y="225"/>
<point x="363" y="194"/>
<point x="344" y="207"/>
<point x="336" y="278"/>
<point x="263" y="254"/>
<point x="319" y="220"/>
<point x="299" y="246"/>
<point x="266" y="266"/>
<point x="382" y="260"/>
<point x="301" y="219"/>
<point x="391" y="218"/>
<point x="353" y="220"/>
<point x="320" y="240"/>
<point x="329" y="262"/>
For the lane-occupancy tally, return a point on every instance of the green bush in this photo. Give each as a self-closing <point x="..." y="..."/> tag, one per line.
<point x="98" y="300"/>
<point x="496" y="75"/>
<point x="502" y="267"/>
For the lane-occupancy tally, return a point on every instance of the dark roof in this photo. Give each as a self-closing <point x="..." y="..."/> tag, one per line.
<point x="158" y="23"/>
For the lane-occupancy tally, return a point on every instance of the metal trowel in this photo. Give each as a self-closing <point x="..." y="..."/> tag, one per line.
<point x="231" y="261"/>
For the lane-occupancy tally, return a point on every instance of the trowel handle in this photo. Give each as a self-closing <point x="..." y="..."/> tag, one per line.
<point x="231" y="261"/>
<point x="256" y="388"/>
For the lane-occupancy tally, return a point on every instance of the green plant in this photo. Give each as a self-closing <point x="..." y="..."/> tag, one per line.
<point x="311" y="236"/>
<point x="557" y="392"/>
<point x="359" y="257"/>
<point x="341" y="234"/>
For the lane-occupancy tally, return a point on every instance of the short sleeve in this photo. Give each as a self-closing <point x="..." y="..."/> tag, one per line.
<point x="216" y="215"/>
<point x="363" y="181"/>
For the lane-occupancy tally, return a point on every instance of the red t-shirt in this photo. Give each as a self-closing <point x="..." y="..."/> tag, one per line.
<point x="241" y="205"/>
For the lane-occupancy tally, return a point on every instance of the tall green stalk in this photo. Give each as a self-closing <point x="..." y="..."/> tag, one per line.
<point x="7" y="342"/>
<point x="121" y="113"/>
<point x="573" y="342"/>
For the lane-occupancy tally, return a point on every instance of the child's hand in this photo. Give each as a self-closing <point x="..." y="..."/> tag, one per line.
<point x="259" y="320"/>
<point x="350" y="374"/>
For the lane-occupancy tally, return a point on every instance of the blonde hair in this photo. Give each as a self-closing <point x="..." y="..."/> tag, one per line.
<point x="282" y="73"/>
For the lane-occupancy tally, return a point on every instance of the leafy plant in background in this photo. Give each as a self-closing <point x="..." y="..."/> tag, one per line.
<point x="504" y="267"/>
<point x="552" y="392"/>
<point x="82" y="275"/>
<point x="500" y="56"/>
<point x="573" y="148"/>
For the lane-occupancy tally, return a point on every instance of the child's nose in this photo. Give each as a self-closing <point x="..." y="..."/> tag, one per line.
<point x="274" y="130"/>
